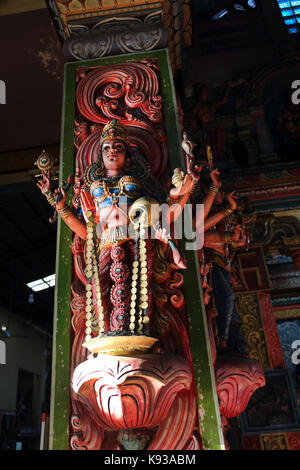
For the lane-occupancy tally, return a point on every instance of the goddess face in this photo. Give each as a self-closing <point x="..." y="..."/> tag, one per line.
<point x="113" y="154"/>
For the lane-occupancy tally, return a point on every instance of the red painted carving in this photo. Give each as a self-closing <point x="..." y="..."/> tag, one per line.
<point x="87" y="436"/>
<point x="127" y="397"/>
<point x="236" y="381"/>
<point x="118" y="398"/>
<point x="130" y="393"/>
<point x="271" y="333"/>
<point x="178" y="431"/>
<point x="117" y="91"/>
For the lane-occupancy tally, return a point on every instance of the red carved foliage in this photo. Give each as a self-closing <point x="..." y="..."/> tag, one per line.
<point x="236" y="380"/>
<point x="131" y="392"/>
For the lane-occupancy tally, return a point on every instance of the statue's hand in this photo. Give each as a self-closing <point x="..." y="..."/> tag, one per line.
<point x="185" y="187"/>
<point x="60" y="198"/>
<point x="178" y="259"/>
<point x="243" y="240"/>
<point x="87" y="203"/>
<point x="193" y="169"/>
<point x="240" y="236"/>
<point x="237" y="233"/>
<point x="44" y="185"/>
<point x="214" y="175"/>
<point x="161" y="234"/>
<point x="231" y="198"/>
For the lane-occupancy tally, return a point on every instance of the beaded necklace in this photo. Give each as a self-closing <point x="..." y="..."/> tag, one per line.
<point x="114" y="197"/>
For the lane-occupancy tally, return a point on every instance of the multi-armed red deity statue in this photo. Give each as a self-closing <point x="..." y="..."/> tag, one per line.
<point x="131" y="363"/>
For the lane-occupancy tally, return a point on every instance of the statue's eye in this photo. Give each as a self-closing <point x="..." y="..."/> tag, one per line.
<point x="106" y="148"/>
<point x="119" y="148"/>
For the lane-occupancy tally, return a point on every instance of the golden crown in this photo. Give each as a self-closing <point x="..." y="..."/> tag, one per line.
<point x="113" y="130"/>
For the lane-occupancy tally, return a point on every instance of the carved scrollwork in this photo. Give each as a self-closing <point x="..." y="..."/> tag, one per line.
<point x="85" y="437"/>
<point x="236" y="381"/>
<point x="81" y="50"/>
<point x="252" y="328"/>
<point x="133" y="85"/>
<point x="144" y="40"/>
<point x="270" y="230"/>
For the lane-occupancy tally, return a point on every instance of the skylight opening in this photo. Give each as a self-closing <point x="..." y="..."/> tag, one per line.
<point x="238" y="6"/>
<point x="42" y="284"/>
<point x="220" y="14"/>
<point x="290" y="11"/>
<point x="241" y="7"/>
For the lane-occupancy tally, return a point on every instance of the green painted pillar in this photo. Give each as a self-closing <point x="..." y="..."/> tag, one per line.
<point x="60" y="383"/>
<point x="209" y="417"/>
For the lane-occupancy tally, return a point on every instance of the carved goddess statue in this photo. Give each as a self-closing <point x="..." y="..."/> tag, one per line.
<point x="119" y="206"/>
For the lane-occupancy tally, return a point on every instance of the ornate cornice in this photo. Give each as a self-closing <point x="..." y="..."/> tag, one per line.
<point x="258" y="176"/>
<point x="267" y="191"/>
<point x="120" y="38"/>
<point x="98" y="28"/>
<point x="285" y="301"/>
<point x="286" y="312"/>
<point x="276" y="231"/>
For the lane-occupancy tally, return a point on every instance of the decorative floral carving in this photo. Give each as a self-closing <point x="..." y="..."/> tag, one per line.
<point x="85" y="437"/>
<point x="129" y="393"/>
<point x="80" y="49"/>
<point x="236" y="380"/>
<point x="177" y="431"/>
<point x="139" y="41"/>
<point x="135" y="84"/>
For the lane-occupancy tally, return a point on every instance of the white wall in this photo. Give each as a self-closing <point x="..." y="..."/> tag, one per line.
<point x="26" y="353"/>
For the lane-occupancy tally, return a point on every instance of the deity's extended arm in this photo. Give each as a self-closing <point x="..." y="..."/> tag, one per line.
<point x="184" y="185"/>
<point x="211" y="193"/>
<point x="69" y="217"/>
<point x="216" y="239"/>
<point x="215" y="218"/>
<point x="73" y="222"/>
<point x="58" y="201"/>
<point x="179" y="197"/>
